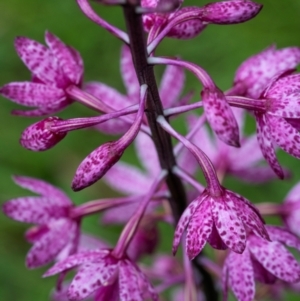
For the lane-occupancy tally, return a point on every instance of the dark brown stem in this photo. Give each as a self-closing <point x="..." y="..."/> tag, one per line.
<point x="162" y="140"/>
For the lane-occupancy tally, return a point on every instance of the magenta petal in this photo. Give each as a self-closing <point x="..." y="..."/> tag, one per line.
<point x="228" y="223"/>
<point x="89" y="278"/>
<point x="146" y="152"/>
<point x="32" y="94"/>
<point x="261" y="274"/>
<point x="75" y="260"/>
<point x="65" y="57"/>
<point x="39" y="60"/>
<point x="129" y="76"/>
<point x="283" y="97"/>
<point x="215" y="240"/>
<point x="257" y="71"/>
<point x="282" y="235"/>
<point x="249" y="215"/>
<point x="55" y="195"/>
<point x="220" y="116"/>
<point x="266" y="145"/>
<point x="36" y="210"/>
<point x="199" y="229"/>
<point x="185" y="219"/>
<point x="133" y="285"/>
<point x="238" y="268"/>
<point x="285" y="136"/>
<point x="45" y="249"/>
<point x="230" y="12"/>
<point x="171" y="85"/>
<point x="275" y="258"/>
<point x="96" y="164"/>
<point x="127" y="179"/>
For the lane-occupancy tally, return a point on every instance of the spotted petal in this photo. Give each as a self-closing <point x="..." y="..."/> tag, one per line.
<point x="75" y="260"/>
<point x="43" y="188"/>
<point x="256" y="72"/>
<point x="33" y="94"/>
<point x="284" y="135"/>
<point x="275" y="258"/>
<point x="229" y="226"/>
<point x="49" y="245"/>
<point x="90" y="277"/>
<point x="185" y="219"/>
<point x="199" y="229"/>
<point x="238" y="271"/>
<point x="70" y="64"/>
<point x="265" y="142"/>
<point x="39" y="60"/>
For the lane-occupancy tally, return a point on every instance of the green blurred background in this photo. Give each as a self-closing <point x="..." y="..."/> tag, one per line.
<point x="220" y="49"/>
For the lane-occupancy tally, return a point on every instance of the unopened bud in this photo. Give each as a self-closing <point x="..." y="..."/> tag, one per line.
<point x="39" y="137"/>
<point x="96" y="164"/>
<point x="230" y="12"/>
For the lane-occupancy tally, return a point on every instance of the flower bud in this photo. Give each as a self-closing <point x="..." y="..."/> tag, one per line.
<point x="39" y="137"/>
<point x="97" y="163"/>
<point x="230" y="12"/>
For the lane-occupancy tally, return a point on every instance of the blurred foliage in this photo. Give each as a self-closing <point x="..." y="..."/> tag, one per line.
<point x="219" y="49"/>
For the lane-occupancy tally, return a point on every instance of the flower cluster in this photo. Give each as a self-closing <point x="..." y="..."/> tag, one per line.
<point x="266" y="87"/>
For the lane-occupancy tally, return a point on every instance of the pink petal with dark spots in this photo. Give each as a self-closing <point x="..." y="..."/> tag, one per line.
<point x="187" y="29"/>
<point x="284" y="135"/>
<point x="147" y="155"/>
<point x="96" y="164"/>
<point x="33" y="94"/>
<point x="127" y="179"/>
<point x="35" y="233"/>
<point x="75" y="260"/>
<point x="199" y="229"/>
<point x="283" y="97"/>
<point x="171" y="85"/>
<point x="275" y="258"/>
<point x="230" y="12"/>
<point x="39" y="137"/>
<point x="284" y="236"/>
<point x="261" y="274"/>
<point x="248" y="214"/>
<point x="239" y="270"/>
<point x="90" y="277"/>
<point x="265" y="142"/>
<point x="55" y="195"/>
<point x="257" y="71"/>
<point x="39" y="60"/>
<point x="116" y="101"/>
<point x="215" y="240"/>
<point x="36" y="210"/>
<point x="71" y="67"/>
<point x="133" y="285"/>
<point x="129" y="76"/>
<point x="220" y="116"/>
<point x="229" y="226"/>
<point x="45" y="249"/>
<point x="185" y="219"/>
